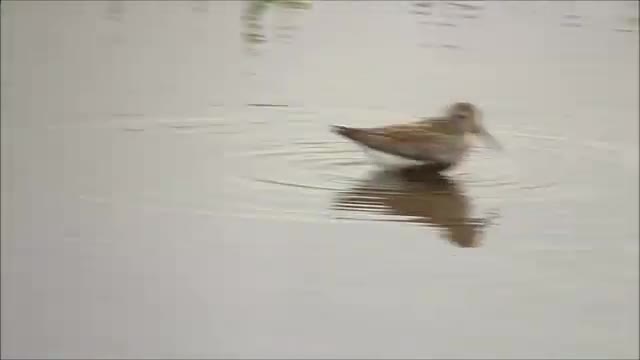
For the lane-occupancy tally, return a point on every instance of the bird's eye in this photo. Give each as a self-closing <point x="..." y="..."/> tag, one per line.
<point x="460" y="116"/>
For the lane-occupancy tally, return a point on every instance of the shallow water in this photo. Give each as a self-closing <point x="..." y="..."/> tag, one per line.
<point x="170" y="186"/>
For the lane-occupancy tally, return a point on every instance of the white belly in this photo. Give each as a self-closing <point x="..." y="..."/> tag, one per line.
<point x="390" y="161"/>
<point x="453" y="155"/>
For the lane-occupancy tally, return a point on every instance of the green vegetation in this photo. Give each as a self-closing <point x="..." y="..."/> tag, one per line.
<point x="257" y="8"/>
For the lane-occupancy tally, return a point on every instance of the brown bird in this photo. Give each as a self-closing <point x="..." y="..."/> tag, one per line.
<point x="438" y="142"/>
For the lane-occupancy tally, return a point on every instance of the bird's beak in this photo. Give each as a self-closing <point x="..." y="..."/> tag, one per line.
<point x="489" y="139"/>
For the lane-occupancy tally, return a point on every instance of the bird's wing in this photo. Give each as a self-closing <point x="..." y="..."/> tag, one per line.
<point x="417" y="141"/>
<point x="426" y="129"/>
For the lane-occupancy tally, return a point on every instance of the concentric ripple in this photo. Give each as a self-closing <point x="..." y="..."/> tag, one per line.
<point x="288" y="165"/>
<point x="284" y="164"/>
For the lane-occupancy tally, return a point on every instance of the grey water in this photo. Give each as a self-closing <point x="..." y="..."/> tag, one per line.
<point x="171" y="189"/>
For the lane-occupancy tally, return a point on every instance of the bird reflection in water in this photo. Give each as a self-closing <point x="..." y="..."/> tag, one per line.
<point x="421" y="196"/>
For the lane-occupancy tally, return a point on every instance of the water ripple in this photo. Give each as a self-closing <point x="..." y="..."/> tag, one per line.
<point x="299" y="168"/>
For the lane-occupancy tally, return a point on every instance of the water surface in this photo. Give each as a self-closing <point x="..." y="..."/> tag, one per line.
<point x="170" y="187"/>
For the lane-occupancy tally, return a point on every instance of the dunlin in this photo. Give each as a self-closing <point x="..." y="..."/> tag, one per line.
<point x="438" y="142"/>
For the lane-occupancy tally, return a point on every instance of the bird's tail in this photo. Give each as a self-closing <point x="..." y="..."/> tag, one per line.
<point x="347" y="132"/>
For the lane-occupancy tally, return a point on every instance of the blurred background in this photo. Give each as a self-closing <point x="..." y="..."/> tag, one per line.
<point x="170" y="188"/>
